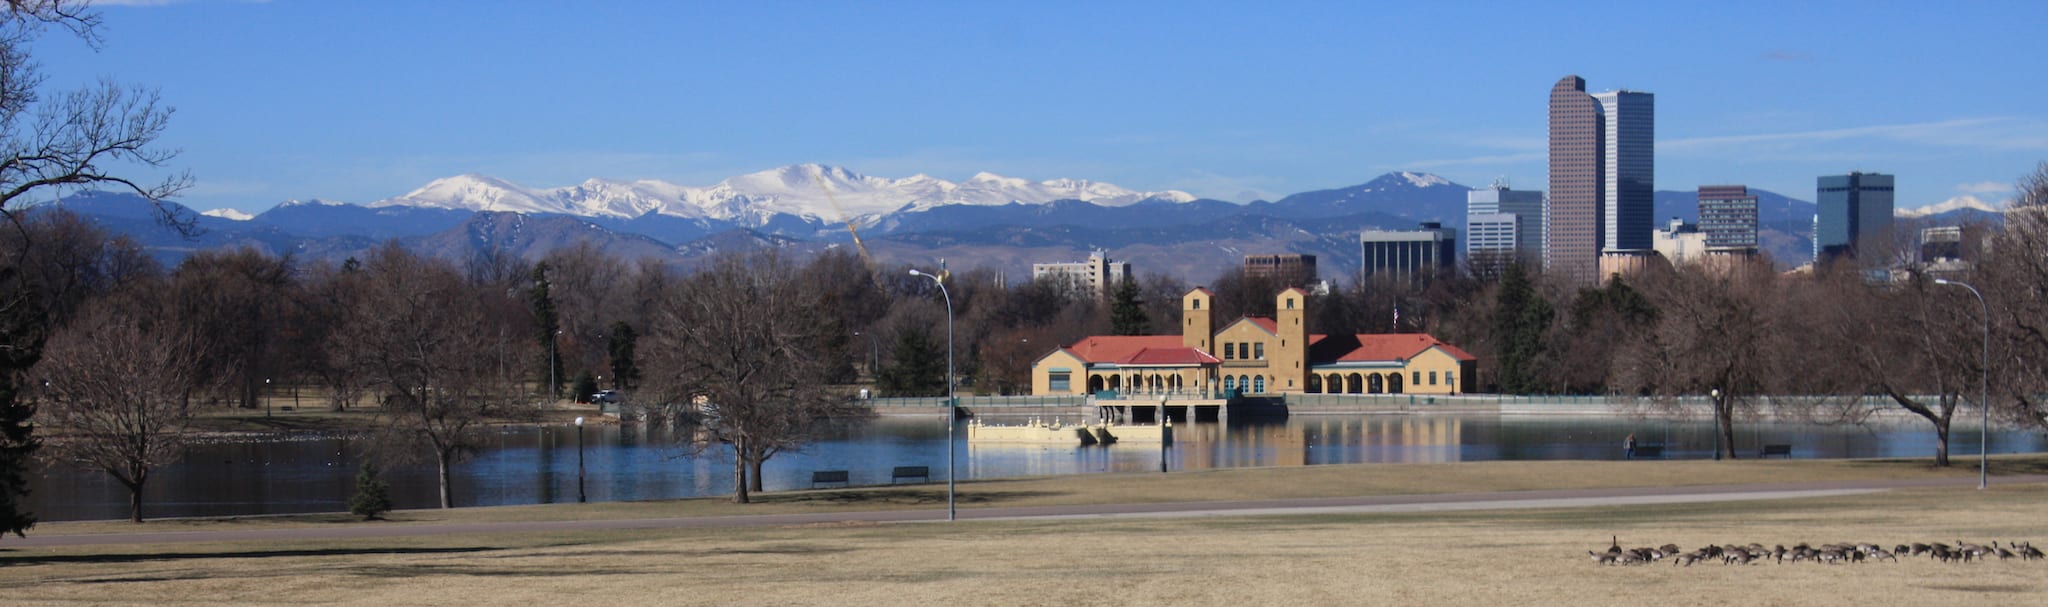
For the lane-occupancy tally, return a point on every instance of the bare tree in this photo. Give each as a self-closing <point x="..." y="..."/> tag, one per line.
<point x="1712" y="336"/>
<point x="238" y="299"/>
<point x="442" y="353"/>
<point x="1910" y="344"/>
<point x="747" y="340"/>
<point x="49" y="146"/>
<point x="114" y="382"/>
<point x="328" y="296"/>
<point x="2014" y="277"/>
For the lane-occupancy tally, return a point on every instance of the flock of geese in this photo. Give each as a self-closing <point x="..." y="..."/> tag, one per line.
<point x="1829" y="554"/>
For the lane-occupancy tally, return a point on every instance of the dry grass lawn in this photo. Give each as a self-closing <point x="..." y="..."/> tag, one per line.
<point x="1534" y="557"/>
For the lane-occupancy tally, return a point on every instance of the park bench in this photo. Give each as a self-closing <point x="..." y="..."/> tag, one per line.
<point x="1649" y="452"/>
<point x="1770" y="450"/>
<point x="921" y="473"/>
<point x="827" y="477"/>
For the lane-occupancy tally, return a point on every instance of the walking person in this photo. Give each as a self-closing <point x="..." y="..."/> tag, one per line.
<point x="1628" y="446"/>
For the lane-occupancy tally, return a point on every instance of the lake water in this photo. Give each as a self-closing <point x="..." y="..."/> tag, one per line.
<point x="538" y="464"/>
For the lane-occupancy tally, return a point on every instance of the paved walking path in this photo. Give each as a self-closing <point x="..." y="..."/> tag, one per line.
<point x="1440" y="502"/>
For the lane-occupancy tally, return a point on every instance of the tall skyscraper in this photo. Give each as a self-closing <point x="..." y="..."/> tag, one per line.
<point x="1628" y="169"/>
<point x="1855" y="215"/>
<point x="1602" y="177"/>
<point x="1572" y="215"/>
<point x="1413" y="255"/>
<point x="1728" y="218"/>
<point x="1502" y="226"/>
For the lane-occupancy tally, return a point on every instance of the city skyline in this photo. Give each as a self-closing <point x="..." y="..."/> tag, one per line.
<point x="364" y="101"/>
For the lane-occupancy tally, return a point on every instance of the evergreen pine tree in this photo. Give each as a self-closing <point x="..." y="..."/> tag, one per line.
<point x="1520" y="318"/>
<point x="625" y="370"/>
<point x="919" y="368"/>
<point x="1127" y="311"/>
<point x="583" y="387"/>
<point x="549" y="322"/>
<point x="373" y="496"/>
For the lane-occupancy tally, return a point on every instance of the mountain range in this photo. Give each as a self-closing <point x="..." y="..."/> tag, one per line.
<point x="987" y="220"/>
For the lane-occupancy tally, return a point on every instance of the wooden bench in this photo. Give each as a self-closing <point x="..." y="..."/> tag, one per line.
<point x="1770" y="450"/>
<point x="922" y="473"/>
<point x="1649" y="452"/>
<point x="827" y="477"/>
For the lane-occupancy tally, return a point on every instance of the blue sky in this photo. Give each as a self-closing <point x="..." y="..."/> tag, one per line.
<point x="365" y="100"/>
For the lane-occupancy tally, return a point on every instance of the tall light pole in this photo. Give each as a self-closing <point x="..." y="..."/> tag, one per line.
<point x="951" y="402"/>
<point x="1984" y="430"/>
<point x="581" y="497"/>
<point x="1165" y="427"/>
<point x="1716" y="393"/>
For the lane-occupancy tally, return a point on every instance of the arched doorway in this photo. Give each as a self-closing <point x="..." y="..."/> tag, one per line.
<point x="1373" y="385"/>
<point x="1259" y="384"/>
<point x="1394" y="382"/>
<point x="1095" y="384"/>
<point x="1354" y="384"/>
<point x="1315" y="384"/>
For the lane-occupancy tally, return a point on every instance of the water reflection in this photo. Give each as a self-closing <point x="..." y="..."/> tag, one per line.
<point x="538" y="465"/>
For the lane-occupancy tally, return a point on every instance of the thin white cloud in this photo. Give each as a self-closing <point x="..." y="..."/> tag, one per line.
<point x="1486" y="160"/>
<point x="1993" y="132"/>
<point x="1984" y="187"/>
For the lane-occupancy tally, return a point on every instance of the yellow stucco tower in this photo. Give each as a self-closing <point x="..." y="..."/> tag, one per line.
<point x="1196" y="325"/>
<point x="1289" y="366"/>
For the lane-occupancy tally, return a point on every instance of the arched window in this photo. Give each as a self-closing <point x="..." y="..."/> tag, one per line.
<point x="1229" y="383"/>
<point x="1259" y="384"/>
<point x="1373" y="384"/>
<point x="1315" y="384"/>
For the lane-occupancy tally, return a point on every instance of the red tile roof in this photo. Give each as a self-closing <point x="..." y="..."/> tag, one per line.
<point x="1117" y="348"/>
<point x="1370" y="347"/>
<point x="1170" y="356"/>
<point x="1263" y="323"/>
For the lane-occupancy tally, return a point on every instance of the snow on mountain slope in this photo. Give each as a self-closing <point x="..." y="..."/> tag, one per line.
<point x="476" y="192"/>
<point x="230" y="214"/>
<point x="1953" y="204"/>
<point x="804" y="190"/>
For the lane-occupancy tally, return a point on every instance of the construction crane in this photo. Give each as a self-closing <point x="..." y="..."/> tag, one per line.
<point x="874" y="275"/>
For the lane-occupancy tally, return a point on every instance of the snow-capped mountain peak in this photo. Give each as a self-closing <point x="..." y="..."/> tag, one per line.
<point x="315" y="202"/>
<point x="1423" y="180"/>
<point x="230" y="214"/>
<point x="810" y="190"/>
<point x="476" y="192"/>
<point x="1953" y="204"/>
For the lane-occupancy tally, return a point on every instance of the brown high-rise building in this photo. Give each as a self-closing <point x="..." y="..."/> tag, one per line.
<point x="1577" y="189"/>
<point x="1286" y="269"/>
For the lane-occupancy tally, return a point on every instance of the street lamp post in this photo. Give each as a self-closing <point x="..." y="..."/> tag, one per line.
<point x="1165" y="426"/>
<point x="1984" y="429"/>
<point x="1716" y="393"/>
<point x="266" y="397"/>
<point x="951" y="402"/>
<point x="581" y="497"/>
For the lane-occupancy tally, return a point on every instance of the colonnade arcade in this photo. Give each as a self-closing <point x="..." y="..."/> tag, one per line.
<point x="1153" y="381"/>
<point x="1355" y="382"/>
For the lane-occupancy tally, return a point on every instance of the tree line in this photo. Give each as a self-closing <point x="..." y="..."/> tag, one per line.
<point x="754" y="350"/>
